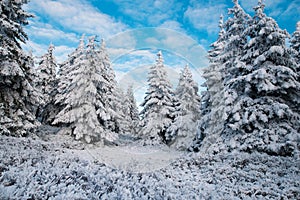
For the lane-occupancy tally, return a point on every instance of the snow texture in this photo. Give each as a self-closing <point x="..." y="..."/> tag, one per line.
<point x="53" y="168"/>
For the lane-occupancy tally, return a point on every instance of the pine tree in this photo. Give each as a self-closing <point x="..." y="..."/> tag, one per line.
<point x="83" y="107"/>
<point x="122" y="122"/>
<point x="46" y="84"/>
<point x="210" y="125"/>
<point x="226" y="64"/>
<point x="17" y="96"/>
<point x="108" y="92"/>
<point x="183" y="130"/>
<point x="158" y="105"/>
<point x="263" y="93"/>
<point x="64" y="78"/>
<point x="131" y="111"/>
<point x="295" y="47"/>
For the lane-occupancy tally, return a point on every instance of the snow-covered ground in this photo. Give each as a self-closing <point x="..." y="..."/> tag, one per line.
<point x="56" y="167"/>
<point x="133" y="158"/>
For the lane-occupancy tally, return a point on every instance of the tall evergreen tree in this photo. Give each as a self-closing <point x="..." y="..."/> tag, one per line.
<point x="121" y="119"/>
<point x="264" y="92"/>
<point x="64" y="79"/>
<point x="108" y="92"/>
<point x="83" y="108"/>
<point x="210" y="125"/>
<point x="295" y="47"/>
<point x="17" y="96"/>
<point x="127" y="112"/>
<point x="132" y="110"/>
<point x="46" y="83"/>
<point x="183" y="130"/>
<point x="235" y="40"/>
<point x="158" y="105"/>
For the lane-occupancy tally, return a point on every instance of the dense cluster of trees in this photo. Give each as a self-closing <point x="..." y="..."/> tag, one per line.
<point x="81" y="95"/>
<point x="251" y="103"/>
<point x="252" y="97"/>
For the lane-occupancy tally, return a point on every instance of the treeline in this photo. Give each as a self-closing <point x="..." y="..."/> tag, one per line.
<point x="251" y="102"/>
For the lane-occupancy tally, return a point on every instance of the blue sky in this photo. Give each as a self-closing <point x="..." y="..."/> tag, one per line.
<point x="135" y="29"/>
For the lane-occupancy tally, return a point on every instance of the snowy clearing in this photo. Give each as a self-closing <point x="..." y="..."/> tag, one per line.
<point x="131" y="158"/>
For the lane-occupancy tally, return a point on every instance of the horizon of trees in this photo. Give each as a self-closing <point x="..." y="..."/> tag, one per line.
<point x="251" y="103"/>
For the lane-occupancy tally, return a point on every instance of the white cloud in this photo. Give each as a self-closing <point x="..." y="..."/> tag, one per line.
<point x="159" y="38"/>
<point x="292" y="10"/>
<point x="120" y="44"/>
<point x="61" y="52"/>
<point x="205" y="17"/>
<point x="184" y="46"/>
<point x="63" y="23"/>
<point x="248" y="5"/>
<point x="46" y="32"/>
<point x="152" y="12"/>
<point x="173" y="25"/>
<point x="123" y="40"/>
<point x="78" y="16"/>
<point x="276" y="8"/>
<point x="134" y="59"/>
<point x="115" y="53"/>
<point x="152" y="40"/>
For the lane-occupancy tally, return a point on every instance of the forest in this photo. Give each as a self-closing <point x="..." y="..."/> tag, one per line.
<point x="248" y="118"/>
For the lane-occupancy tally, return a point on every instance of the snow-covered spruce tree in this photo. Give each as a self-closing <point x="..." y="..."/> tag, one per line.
<point x="46" y="84"/>
<point x="235" y="40"/>
<point x="125" y="124"/>
<point x="32" y="78"/>
<point x="158" y="105"/>
<point x="264" y="92"/>
<point x="64" y="78"/>
<point x="81" y="114"/>
<point x="17" y="96"/>
<point x="295" y="47"/>
<point x="183" y="130"/>
<point x="132" y="112"/>
<point x="121" y="119"/>
<point x="109" y="93"/>
<point x="210" y="123"/>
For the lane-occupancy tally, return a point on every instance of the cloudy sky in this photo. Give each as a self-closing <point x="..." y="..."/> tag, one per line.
<point x="135" y="29"/>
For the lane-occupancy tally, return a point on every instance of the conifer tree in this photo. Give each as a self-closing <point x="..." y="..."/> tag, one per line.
<point x="183" y="130"/>
<point x="263" y="92"/>
<point x="64" y="79"/>
<point x="295" y="47"/>
<point x="131" y="111"/>
<point x="83" y="108"/>
<point x="46" y="84"/>
<point x="209" y="124"/>
<point x="158" y="105"/>
<point x="17" y="96"/>
<point x="108" y="91"/>
<point x="122" y="122"/>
